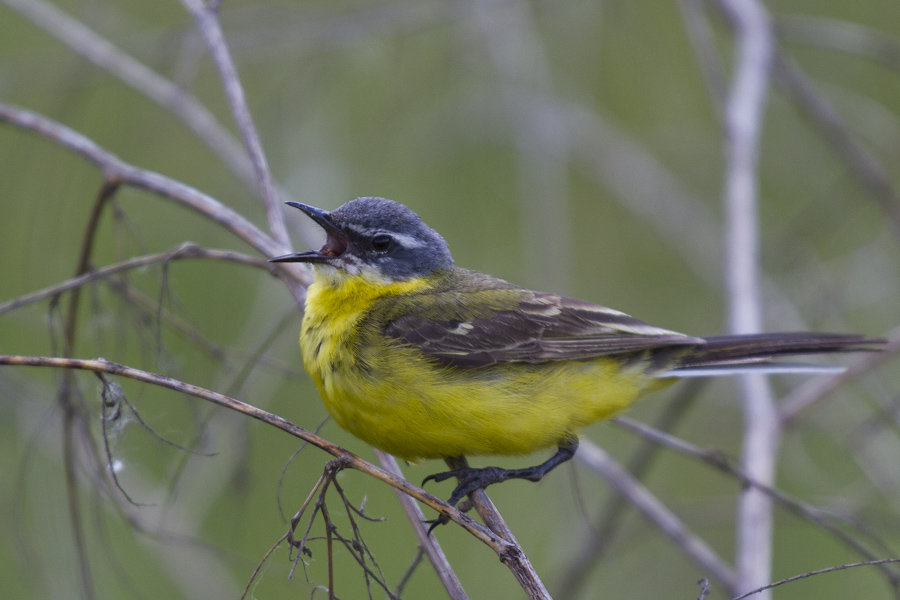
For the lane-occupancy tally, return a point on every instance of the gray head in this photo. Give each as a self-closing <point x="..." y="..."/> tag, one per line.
<point x="375" y="236"/>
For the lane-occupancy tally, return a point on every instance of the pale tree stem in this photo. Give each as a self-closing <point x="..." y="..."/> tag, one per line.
<point x="427" y="542"/>
<point x="744" y="110"/>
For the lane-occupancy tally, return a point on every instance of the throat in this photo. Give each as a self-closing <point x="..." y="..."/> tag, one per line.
<point x="336" y="307"/>
<point x="337" y="294"/>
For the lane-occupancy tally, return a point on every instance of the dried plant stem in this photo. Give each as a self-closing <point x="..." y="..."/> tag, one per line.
<point x="867" y="563"/>
<point x="428" y="543"/>
<point x="140" y="77"/>
<point x="722" y="463"/>
<point x="504" y="549"/>
<point x="119" y="172"/>
<point x="208" y="25"/>
<point x="515" y="558"/>
<point x="658" y="513"/>
<point x="187" y="250"/>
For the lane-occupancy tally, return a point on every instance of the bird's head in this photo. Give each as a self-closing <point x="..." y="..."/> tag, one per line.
<point x="376" y="238"/>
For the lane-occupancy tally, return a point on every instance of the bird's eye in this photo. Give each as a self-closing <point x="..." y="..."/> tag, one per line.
<point x="381" y="242"/>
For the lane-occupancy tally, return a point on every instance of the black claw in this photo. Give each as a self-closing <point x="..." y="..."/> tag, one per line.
<point x="471" y="479"/>
<point x="442" y="476"/>
<point x="433" y="523"/>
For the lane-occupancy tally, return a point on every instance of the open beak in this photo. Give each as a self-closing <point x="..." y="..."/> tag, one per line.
<point x="335" y="241"/>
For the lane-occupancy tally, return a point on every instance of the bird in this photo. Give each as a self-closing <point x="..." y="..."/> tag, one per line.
<point x="424" y="359"/>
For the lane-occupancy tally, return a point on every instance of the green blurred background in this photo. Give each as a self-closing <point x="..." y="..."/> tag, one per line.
<point x="573" y="146"/>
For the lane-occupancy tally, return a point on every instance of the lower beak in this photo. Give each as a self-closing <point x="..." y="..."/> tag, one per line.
<point x="310" y="256"/>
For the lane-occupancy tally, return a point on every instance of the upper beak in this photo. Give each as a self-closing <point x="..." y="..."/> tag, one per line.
<point x="335" y="241"/>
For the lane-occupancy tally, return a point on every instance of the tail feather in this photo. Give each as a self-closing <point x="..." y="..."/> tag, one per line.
<point x="733" y="354"/>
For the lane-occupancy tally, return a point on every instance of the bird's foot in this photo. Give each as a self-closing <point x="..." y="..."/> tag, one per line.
<point x="471" y="479"/>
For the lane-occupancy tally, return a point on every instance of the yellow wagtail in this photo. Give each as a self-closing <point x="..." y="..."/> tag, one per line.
<point x="424" y="359"/>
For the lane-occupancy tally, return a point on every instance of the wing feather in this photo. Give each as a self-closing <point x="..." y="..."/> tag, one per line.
<point x="474" y="328"/>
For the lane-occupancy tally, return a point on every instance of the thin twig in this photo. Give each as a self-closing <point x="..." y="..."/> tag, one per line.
<point x="723" y="464"/>
<point x="427" y="542"/>
<point x="76" y="519"/>
<point x="401" y="585"/>
<point x="186" y="250"/>
<point x="68" y="396"/>
<point x="704" y="588"/>
<point x="696" y="25"/>
<point x="658" y="513"/>
<point x="861" y="163"/>
<point x="258" y="569"/>
<point x="514" y="557"/>
<point x="164" y="92"/>
<point x="140" y="77"/>
<point x="615" y="510"/>
<point x="119" y="172"/>
<point x="867" y="563"/>
<point x="208" y="25"/>
<point x="480" y="532"/>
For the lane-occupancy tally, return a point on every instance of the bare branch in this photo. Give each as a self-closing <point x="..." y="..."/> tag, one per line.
<point x="658" y="513"/>
<point x="696" y="24"/>
<point x="867" y="563"/>
<point x="427" y="542"/>
<point x="187" y="250"/>
<point x="208" y="24"/>
<point x="815" y="390"/>
<point x="137" y="75"/>
<point x="514" y="557"/>
<point x="722" y="463"/>
<point x="861" y="163"/>
<point x="743" y="124"/>
<point x="118" y="171"/>
<point x="500" y="546"/>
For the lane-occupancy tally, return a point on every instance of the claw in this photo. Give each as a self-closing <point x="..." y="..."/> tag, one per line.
<point x="433" y="523"/>
<point x="471" y="479"/>
<point x="442" y="476"/>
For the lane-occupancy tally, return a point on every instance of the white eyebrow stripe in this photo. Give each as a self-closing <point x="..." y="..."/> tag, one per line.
<point x="407" y="241"/>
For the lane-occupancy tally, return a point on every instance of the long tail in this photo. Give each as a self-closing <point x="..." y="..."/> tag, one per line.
<point x="733" y="354"/>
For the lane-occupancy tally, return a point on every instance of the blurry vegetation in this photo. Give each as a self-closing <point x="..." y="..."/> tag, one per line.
<point x="572" y="145"/>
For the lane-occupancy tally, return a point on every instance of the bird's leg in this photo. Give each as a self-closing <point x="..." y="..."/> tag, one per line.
<point x="471" y="479"/>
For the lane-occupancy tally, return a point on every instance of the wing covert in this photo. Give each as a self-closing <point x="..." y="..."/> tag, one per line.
<point x="463" y="330"/>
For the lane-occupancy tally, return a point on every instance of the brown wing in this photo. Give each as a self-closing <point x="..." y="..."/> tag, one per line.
<point x="470" y="328"/>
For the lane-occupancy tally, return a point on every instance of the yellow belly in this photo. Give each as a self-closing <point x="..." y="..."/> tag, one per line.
<point x="393" y="398"/>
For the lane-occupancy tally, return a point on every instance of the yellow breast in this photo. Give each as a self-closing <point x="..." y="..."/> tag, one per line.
<point x="394" y="398"/>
